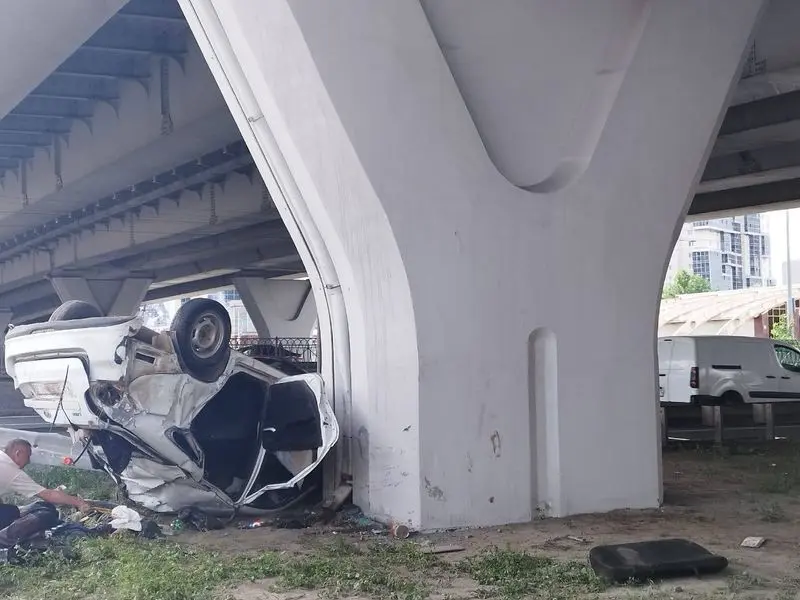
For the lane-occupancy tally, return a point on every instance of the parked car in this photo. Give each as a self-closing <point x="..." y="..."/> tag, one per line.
<point x="177" y="418"/>
<point x="716" y="370"/>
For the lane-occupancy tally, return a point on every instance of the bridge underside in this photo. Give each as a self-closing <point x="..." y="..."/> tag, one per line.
<point x="123" y="162"/>
<point x="443" y="207"/>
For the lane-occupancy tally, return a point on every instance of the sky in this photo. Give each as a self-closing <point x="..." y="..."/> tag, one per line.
<point x="776" y="223"/>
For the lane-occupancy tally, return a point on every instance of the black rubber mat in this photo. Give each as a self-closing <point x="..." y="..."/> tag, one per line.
<point x="658" y="559"/>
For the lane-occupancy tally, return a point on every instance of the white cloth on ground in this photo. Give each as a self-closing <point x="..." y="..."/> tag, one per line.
<point x="126" y="518"/>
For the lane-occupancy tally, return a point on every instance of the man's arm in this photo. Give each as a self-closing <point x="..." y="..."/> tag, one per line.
<point x="59" y="497"/>
<point x="23" y="485"/>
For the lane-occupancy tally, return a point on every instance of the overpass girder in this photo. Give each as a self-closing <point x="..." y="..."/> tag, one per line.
<point x="114" y="297"/>
<point x="190" y="217"/>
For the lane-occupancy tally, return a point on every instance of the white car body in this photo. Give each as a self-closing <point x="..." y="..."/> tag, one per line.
<point x="714" y="370"/>
<point x="109" y="378"/>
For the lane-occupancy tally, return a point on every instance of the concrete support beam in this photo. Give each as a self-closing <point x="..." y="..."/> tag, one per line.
<point x="741" y="198"/>
<point x="278" y="307"/>
<point x="114" y="297"/>
<point x="124" y="144"/>
<point x="777" y="110"/>
<point x="6" y="315"/>
<point x="47" y="42"/>
<point x="193" y="216"/>
<point x="463" y="244"/>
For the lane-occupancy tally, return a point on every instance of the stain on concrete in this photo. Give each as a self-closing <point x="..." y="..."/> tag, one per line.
<point x="362" y="439"/>
<point x="496" y="446"/>
<point x="407" y="428"/>
<point x="433" y="491"/>
<point x="469" y="463"/>
<point x="491" y="499"/>
<point x="481" y="417"/>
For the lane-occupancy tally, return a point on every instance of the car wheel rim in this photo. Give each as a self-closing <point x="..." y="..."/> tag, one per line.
<point x="207" y="335"/>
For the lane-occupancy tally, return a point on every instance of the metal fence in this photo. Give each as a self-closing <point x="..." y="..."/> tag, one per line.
<point x="296" y="349"/>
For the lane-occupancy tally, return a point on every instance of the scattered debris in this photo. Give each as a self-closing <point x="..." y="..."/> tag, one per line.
<point x="125" y="518"/>
<point x="252" y="525"/>
<point x="653" y="560"/>
<point x="339" y="497"/>
<point x="400" y="531"/>
<point x="575" y="538"/>
<point x="351" y="519"/>
<point x="753" y="542"/>
<point x="197" y="519"/>
<point x="443" y="549"/>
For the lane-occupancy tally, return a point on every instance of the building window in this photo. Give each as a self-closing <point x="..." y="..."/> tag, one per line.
<point x="230" y="295"/>
<point x="737" y="283"/>
<point x="700" y="264"/>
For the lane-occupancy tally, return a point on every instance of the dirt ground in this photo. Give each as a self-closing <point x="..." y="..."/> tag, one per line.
<point x="715" y="498"/>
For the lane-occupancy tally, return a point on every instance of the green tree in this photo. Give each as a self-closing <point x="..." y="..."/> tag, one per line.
<point x="780" y="331"/>
<point x="685" y="283"/>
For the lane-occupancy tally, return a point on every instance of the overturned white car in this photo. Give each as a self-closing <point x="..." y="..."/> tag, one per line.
<point x="177" y="418"/>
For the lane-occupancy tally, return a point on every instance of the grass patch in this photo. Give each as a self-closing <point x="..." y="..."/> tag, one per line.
<point x="772" y="512"/>
<point x="93" y="485"/>
<point x="767" y="468"/>
<point x="742" y="581"/>
<point x="511" y="574"/>
<point x="125" y="568"/>
<point x="120" y="568"/>
<point x="381" y="571"/>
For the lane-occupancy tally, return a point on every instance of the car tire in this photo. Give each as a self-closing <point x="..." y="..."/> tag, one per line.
<point x="73" y="310"/>
<point x="201" y="334"/>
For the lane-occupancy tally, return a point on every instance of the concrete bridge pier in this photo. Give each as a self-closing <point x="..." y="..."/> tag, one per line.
<point x="461" y="179"/>
<point x="114" y="297"/>
<point x="5" y="320"/>
<point x="278" y="307"/>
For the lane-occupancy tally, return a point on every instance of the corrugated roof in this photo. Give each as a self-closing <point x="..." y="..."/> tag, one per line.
<point x="731" y="308"/>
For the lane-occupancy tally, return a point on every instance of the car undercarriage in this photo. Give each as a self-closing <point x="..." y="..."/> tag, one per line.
<point x="177" y="418"/>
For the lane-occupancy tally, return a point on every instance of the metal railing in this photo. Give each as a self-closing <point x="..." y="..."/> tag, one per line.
<point x="295" y="349"/>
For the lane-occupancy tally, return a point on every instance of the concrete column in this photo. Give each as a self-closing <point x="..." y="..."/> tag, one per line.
<point x="499" y="219"/>
<point x="6" y="314"/>
<point x="278" y="307"/>
<point x="114" y="297"/>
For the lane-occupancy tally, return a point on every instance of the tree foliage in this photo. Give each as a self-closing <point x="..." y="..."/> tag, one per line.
<point x="780" y="331"/>
<point x="685" y="283"/>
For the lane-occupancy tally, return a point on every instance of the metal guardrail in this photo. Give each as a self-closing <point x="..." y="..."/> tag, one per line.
<point x="32" y="422"/>
<point x="295" y="349"/>
<point x="722" y="424"/>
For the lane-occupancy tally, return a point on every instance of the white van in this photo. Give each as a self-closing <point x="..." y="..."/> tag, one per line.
<point x="711" y="370"/>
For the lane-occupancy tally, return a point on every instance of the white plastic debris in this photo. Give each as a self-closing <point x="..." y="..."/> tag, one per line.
<point x="753" y="542"/>
<point x="126" y="518"/>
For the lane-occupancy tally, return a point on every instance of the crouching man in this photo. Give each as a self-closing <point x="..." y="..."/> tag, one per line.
<point x="21" y="523"/>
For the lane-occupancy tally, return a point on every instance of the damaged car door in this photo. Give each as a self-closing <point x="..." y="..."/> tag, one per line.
<point x="298" y="429"/>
